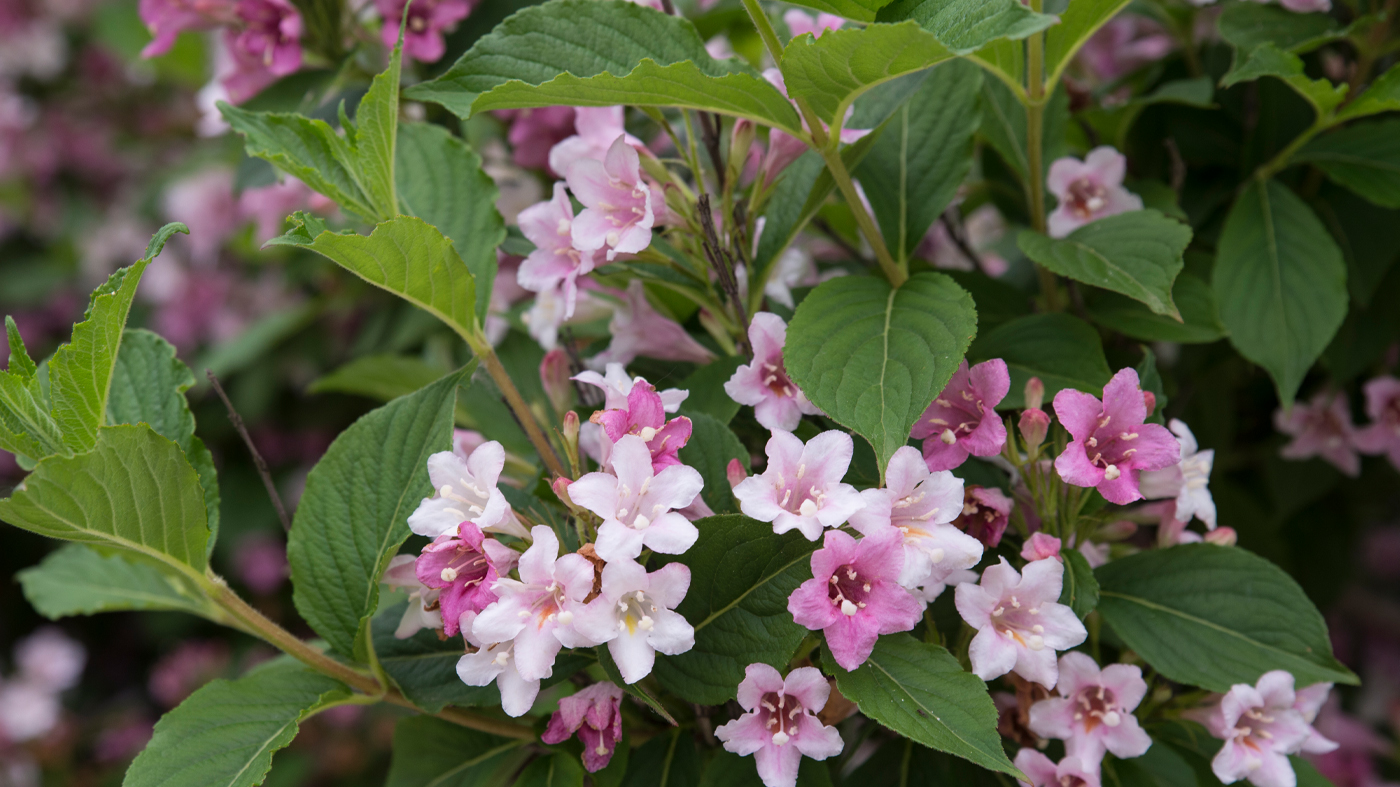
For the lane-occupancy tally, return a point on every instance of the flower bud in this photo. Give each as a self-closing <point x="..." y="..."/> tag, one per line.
<point x="571" y="427"/>
<point x="561" y="490"/>
<point x="555" y="371"/>
<point x="1222" y="536"/>
<point x="740" y="141"/>
<point x="1035" y="393"/>
<point x="1034" y="426"/>
<point x="735" y="473"/>
<point x="1041" y="546"/>
<point x="1149" y="400"/>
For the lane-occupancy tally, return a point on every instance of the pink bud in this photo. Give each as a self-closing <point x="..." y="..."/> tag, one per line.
<point x="1149" y="400"/>
<point x="735" y="472"/>
<point x="1034" y="426"/>
<point x="571" y="427"/>
<point x="561" y="490"/>
<point x="1041" y="546"/>
<point x="555" y="371"/>
<point x="1035" y="393"/>
<point x="1222" y="536"/>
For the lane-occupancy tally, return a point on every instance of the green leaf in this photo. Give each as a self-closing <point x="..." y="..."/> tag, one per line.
<point x="376" y="131"/>
<point x="77" y="580"/>
<point x="1361" y="229"/>
<point x="1161" y="766"/>
<point x="833" y="71"/>
<point x="903" y="763"/>
<point x="1063" y="351"/>
<point x="668" y="760"/>
<point x="730" y="770"/>
<point x="424" y="666"/>
<point x="795" y="199"/>
<point x="382" y="377"/>
<point x="919" y="690"/>
<point x="709" y="450"/>
<point x="859" y="10"/>
<point x="406" y="256"/>
<point x="1281" y="283"/>
<point x="80" y="373"/>
<point x="133" y="491"/>
<point x="441" y="182"/>
<point x="706" y="387"/>
<point x="740" y="578"/>
<point x="559" y="769"/>
<point x="1268" y="60"/>
<point x="873" y="357"/>
<point x="1382" y="96"/>
<point x="354" y="513"/>
<point x="430" y="752"/>
<point x="1249" y="25"/>
<point x="1137" y="254"/>
<point x="1215" y="616"/>
<point x="1200" y="319"/>
<point x="1077" y="25"/>
<point x="1004" y="125"/>
<point x="1151" y="382"/>
<point x="20" y="364"/>
<point x="965" y="26"/>
<point x="1364" y="158"/>
<point x="924" y="154"/>
<point x="226" y="732"/>
<point x="1081" y="590"/>
<point x="636" y="690"/>
<point x="26" y="427"/>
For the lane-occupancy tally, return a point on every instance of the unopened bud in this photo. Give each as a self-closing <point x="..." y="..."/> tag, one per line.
<point x="1116" y="531"/>
<point x="555" y="370"/>
<point x="739" y="142"/>
<point x="1222" y="536"/>
<point x="1035" y="393"/>
<point x="1149" y="400"/>
<point x="571" y="427"/>
<point x="735" y="472"/>
<point x="1035" y="424"/>
<point x="1041" y="546"/>
<point x="561" y="490"/>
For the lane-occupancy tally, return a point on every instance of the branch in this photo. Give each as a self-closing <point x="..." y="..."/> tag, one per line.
<point x="489" y="359"/>
<point x="252" y="449"/>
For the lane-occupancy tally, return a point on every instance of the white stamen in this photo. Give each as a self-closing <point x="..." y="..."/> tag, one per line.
<point x="449" y="574"/>
<point x="948" y="437"/>
<point x="1111" y="473"/>
<point x="808" y="508"/>
<point x="847" y="608"/>
<point x="780" y="738"/>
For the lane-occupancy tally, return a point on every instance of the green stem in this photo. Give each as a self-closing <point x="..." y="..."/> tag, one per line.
<point x="1035" y="153"/>
<point x="1280" y="160"/>
<point x="492" y="362"/>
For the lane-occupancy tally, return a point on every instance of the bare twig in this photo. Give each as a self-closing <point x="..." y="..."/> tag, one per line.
<point x="237" y="421"/>
<point x="710" y="126"/>
<point x="722" y="261"/>
<point x="668" y="7"/>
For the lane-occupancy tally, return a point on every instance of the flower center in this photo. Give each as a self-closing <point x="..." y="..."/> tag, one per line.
<point x="779" y="713"/>
<point x="1020" y="621"/>
<point x="467" y="565"/>
<point x="956" y="416"/>
<point x="1096" y="705"/>
<point x="1109" y="447"/>
<point x="776" y="380"/>
<point x="1252" y="729"/>
<point x="799" y="497"/>
<point x="1085" y="198"/>
<point x="471" y="499"/>
<point x="634" y="611"/>
<point x="638" y="515"/>
<point x="547" y="606"/>
<point x="848" y="590"/>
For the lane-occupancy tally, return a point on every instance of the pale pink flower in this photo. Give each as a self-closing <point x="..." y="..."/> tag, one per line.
<point x="27" y="711"/>
<point x="422" y="611"/>
<point x="1111" y="441"/>
<point x="1043" y="771"/>
<point x="645" y="417"/>
<point x="1187" y="481"/>
<point x="427" y="21"/>
<point x="616" y="386"/>
<point x="794" y="268"/>
<point x="800" y="23"/>
<point x="1094" y="712"/>
<point x="1123" y="45"/>
<point x="638" y="329"/>
<point x="555" y="262"/>
<point x="1260" y="728"/>
<point x="985" y="513"/>
<point x="465" y="441"/>
<point x="462" y="567"/>
<point x="801" y="487"/>
<point x="764" y="383"/>
<point x="853" y="596"/>
<point x="1019" y="620"/>
<point x="1306" y="6"/>
<point x="269" y="206"/>
<point x="637" y="504"/>
<point x="1088" y="190"/>
<point x="1321" y="428"/>
<point x="783" y="148"/>
<point x="50" y="659"/>
<point x="596" y="715"/>
<point x="921" y="505"/>
<point x="265" y="49"/>
<point x="205" y="203"/>
<point x="466" y="492"/>
<point x="1382" y="435"/>
<point x="1040" y="546"/>
<point x="166" y="19"/>
<point x="962" y="419"/>
<point x="190" y="665"/>
<point x="545" y="316"/>
<point x="533" y="132"/>
<point x="635" y="614"/>
<point x="618" y="204"/>
<point x="596" y="129"/>
<point x="780" y="725"/>
<point x="1308" y="701"/>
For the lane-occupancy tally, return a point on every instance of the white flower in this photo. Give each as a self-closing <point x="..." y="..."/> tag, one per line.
<point x="466" y="492"/>
<point x="1188" y="480"/>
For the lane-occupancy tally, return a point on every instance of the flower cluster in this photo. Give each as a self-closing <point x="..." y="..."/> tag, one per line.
<point x="1261" y="725"/>
<point x="1322" y="427"/>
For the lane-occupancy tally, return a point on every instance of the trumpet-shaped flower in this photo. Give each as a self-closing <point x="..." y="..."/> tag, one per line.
<point x="466" y="492"/>
<point x="985" y="513"/>
<point x="266" y="46"/>
<point x="422" y="611"/>
<point x="763" y="383"/>
<point x="1088" y="190"/>
<point x="596" y="715"/>
<point x="634" y="613"/>
<point x="1188" y="481"/>
<point x="1111" y="441"/>
<point x="595" y="130"/>
<point x="1043" y="772"/>
<point x="638" y="329"/>
<point x="1321" y="428"/>
<point x="555" y="262"/>
<point x="1094" y="712"/>
<point x="616" y="386"/>
<point x="644" y="416"/>
<point x="1019" y="620"/>
<point x="801" y="486"/>
<point x="961" y="420"/>
<point x="462" y="567"/>
<point x="1260" y="727"/>
<point x="166" y="19"/>
<point x="427" y="21"/>
<point x="495" y="661"/>
<point x="618" y="211"/>
<point x="1382" y="435"/>
<point x="637" y="504"/>
<point x="780" y="725"/>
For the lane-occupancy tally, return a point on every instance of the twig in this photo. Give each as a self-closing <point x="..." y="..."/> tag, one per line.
<point x="668" y="7"/>
<point x="722" y="261"/>
<point x="710" y="126"/>
<point x="952" y="221"/>
<point x="835" y="237"/>
<point x="237" y="421"/>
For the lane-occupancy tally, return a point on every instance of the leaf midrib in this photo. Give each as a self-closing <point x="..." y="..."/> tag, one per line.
<point x="929" y="711"/>
<point x="765" y="580"/>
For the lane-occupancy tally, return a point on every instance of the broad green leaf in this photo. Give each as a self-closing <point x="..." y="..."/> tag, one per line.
<point x="430" y="752"/>
<point x="1214" y="616"/>
<point x="441" y="182"/>
<point x="1081" y="591"/>
<point x="354" y="513"/>
<point x="424" y="666"/>
<point x="559" y="769"/>
<point x="636" y="690"/>
<point x="80" y="373"/>
<point x="903" y="763"/>
<point x="1200" y="319"/>
<point x="376" y="131"/>
<point x="709" y="450"/>
<point x="133" y="491"/>
<point x="1004" y="125"/>
<point x="923" y="155"/>
<point x="1382" y="96"/>
<point x="668" y="760"/>
<point x="1365" y="158"/>
<point x="833" y="71"/>
<point x="1077" y="25"/>
<point x="1249" y="25"/>
<point x="1268" y="60"/>
<point x="1137" y="254"/>
<point x="226" y="732"/>
<point x="859" y="10"/>
<point x="1161" y="766"/>
<point x="707" y="394"/>
<point x="1362" y="230"/>
<point x="1063" y="351"/>
<point x="406" y="256"/>
<point x="77" y="580"/>
<point x="919" y="690"/>
<point x="740" y="578"/>
<point x="382" y="377"/>
<point x="1281" y="283"/>
<point x="731" y="770"/>
<point x="965" y="26"/>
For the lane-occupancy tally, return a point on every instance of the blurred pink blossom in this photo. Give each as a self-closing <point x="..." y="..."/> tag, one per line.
<point x="166" y="19"/>
<point x="266" y="48"/>
<point x="427" y="21"/>
<point x="192" y="664"/>
<point x="1125" y="44"/>
<point x="1088" y="190"/>
<point x="1322" y="428"/>
<point x="638" y="329"/>
<point x="261" y="562"/>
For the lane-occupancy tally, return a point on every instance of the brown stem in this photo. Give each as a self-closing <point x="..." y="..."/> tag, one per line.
<point x="721" y="260"/>
<point x="710" y="126"/>
<point x="266" y="475"/>
<point x="487" y="354"/>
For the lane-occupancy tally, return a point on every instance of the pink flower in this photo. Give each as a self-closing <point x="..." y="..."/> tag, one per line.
<point x="261" y="562"/>
<point x="616" y="386"/>
<point x="51" y="659"/>
<point x="423" y="611"/>
<point x="1040" y="546"/>
<point x="962" y="419"/>
<point x="800" y="23"/>
<point x="462" y="568"/>
<point x="645" y="416"/>
<point x="1043" y="771"/>
<point x="555" y="262"/>
<point x="1019" y="620"/>
<point x="1260" y="728"/>
<point x="781" y="712"/>
<point x="596" y="715"/>
<point x="1125" y="44"/>
<point x="637" y="329"/>
<point x="166" y="19"/>
<point x="27" y="711"/>
<point x="1094" y="712"/>
<point x="495" y="661"/>
<point x="783" y="148"/>
<point x="1382" y="435"/>
<point x="801" y="486"/>
<point x="269" y="206"/>
<point x="597" y="129"/>
<point x="427" y="19"/>
<point x="1034" y="425"/>
<point x="853" y="596"/>
<point x="267" y="47"/>
<point x="1111" y="441"/>
<point x="1088" y="190"/>
<point x="986" y="511"/>
<point x="777" y="401"/>
<point x="534" y="131"/>
<point x="1308" y="701"/>
<point x="1188" y="480"/>
<point x="537" y="611"/>
<point x="466" y="492"/>
<point x="618" y="212"/>
<point x="555" y="367"/>
<point x="205" y="203"/>
<point x="1352" y="762"/>
<point x="1322" y="428"/>
<point x="920" y="505"/>
<point x="637" y="503"/>
<point x="635" y="614"/>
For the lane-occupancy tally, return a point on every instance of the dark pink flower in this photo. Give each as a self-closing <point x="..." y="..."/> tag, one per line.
<point x="962" y="419"/>
<point x="645" y="416"/>
<point x="854" y="595"/>
<point x="596" y="715"/>
<point x="1321" y="428"/>
<point x="266" y="48"/>
<point x="1094" y="712"/>
<point x="1088" y="190"/>
<point x="1111" y="441"/>
<point x="777" y="401"/>
<point x="985" y="513"/>
<point x="463" y="568"/>
<point x="427" y="20"/>
<point x="1382" y="435"/>
<point x="533" y="132"/>
<point x="780" y="725"/>
<point x="167" y="19"/>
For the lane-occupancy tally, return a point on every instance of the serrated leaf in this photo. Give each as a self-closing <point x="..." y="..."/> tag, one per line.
<point x="376" y="133"/>
<point x="226" y="732"/>
<point x="1382" y="96"/>
<point x="741" y="575"/>
<point x="859" y="10"/>
<point x="1248" y="25"/>
<point x="873" y="357"/>
<point x="133" y="491"/>
<point x="1268" y="60"/>
<point x="1137" y="254"/>
<point x="1200" y="319"/>
<point x="1063" y="351"/>
<point x="1281" y="283"/>
<point x="382" y="377"/>
<point x="424" y="666"/>
<point x="354" y="513"/>
<point x="26" y="427"/>
<point x="1077" y="25"/>
<point x="924" y="154"/>
<point x="1081" y="591"/>
<point x="77" y="580"/>
<point x="441" y="182"/>
<point x="430" y="751"/>
<point x="19" y="363"/>
<point x="1364" y="158"/>
<point x="965" y="26"/>
<point x="1214" y="616"/>
<point x="919" y="691"/>
<point x="709" y="450"/>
